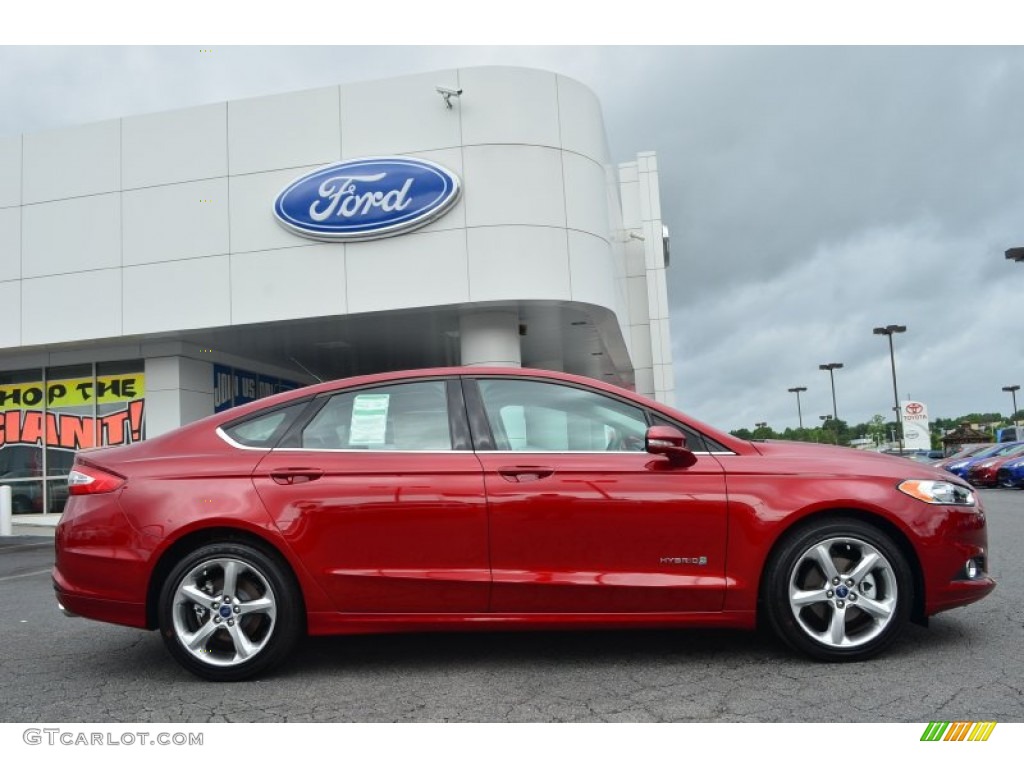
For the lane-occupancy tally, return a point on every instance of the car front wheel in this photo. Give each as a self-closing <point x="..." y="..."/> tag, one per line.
<point x="230" y="611"/>
<point x="839" y="590"/>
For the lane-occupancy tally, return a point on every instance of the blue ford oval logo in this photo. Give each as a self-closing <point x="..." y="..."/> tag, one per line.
<point x="367" y="198"/>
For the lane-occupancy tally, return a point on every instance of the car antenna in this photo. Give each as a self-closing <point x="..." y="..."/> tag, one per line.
<point x="319" y="380"/>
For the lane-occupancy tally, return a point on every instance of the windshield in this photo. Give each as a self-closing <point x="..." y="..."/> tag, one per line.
<point x="998" y="450"/>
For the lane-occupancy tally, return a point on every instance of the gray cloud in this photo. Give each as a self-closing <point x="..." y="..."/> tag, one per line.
<point x="812" y="194"/>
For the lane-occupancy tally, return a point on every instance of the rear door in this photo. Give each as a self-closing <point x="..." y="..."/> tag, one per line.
<point x="382" y="497"/>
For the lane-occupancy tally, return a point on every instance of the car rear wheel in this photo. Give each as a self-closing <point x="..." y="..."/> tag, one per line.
<point x="1004" y="480"/>
<point x="230" y="611"/>
<point x="839" y="590"/>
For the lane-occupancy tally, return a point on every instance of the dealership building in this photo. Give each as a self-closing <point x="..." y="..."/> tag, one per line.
<point x="159" y="268"/>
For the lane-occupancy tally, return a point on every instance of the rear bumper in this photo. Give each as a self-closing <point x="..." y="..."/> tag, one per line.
<point x="102" y="566"/>
<point x="73" y="604"/>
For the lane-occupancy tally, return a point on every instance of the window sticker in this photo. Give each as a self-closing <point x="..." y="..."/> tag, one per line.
<point x="369" y="420"/>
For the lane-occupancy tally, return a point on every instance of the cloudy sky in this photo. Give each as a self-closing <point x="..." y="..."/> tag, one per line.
<point x="812" y="194"/>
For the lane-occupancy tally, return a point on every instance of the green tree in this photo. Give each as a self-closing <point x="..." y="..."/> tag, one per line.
<point x="878" y="429"/>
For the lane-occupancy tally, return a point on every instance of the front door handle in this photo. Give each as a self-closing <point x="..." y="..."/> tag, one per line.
<point x="525" y="474"/>
<point x="295" y="475"/>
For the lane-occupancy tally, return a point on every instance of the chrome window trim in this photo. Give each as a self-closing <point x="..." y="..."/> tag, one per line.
<point x="604" y="453"/>
<point x="364" y="451"/>
<point x="234" y="444"/>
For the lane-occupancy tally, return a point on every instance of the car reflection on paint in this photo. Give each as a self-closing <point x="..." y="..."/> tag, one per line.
<point x="474" y="498"/>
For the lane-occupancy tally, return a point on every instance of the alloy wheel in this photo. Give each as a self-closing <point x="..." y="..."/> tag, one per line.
<point x="224" y="611"/>
<point x="843" y="592"/>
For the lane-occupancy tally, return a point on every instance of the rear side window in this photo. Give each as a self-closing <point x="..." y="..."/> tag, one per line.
<point x="399" y="417"/>
<point x="264" y="429"/>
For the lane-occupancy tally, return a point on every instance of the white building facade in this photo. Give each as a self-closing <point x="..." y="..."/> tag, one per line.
<point x="145" y="280"/>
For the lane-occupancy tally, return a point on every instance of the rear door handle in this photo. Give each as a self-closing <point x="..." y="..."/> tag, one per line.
<point x="295" y="475"/>
<point x="525" y="474"/>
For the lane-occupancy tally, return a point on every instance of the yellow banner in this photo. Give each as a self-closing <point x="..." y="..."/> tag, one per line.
<point x="65" y="393"/>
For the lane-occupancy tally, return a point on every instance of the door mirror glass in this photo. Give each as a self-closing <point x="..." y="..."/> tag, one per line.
<point x="671" y="443"/>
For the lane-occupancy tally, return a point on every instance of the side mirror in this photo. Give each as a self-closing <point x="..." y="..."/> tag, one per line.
<point x="670" y="443"/>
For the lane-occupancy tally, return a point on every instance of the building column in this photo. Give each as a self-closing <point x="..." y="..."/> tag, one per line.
<point x="179" y="390"/>
<point x="490" y="338"/>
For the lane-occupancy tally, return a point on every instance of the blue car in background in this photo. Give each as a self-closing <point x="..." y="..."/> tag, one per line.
<point x="1011" y="474"/>
<point x="959" y="467"/>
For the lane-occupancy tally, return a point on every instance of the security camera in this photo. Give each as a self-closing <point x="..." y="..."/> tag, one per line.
<point x="447" y="93"/>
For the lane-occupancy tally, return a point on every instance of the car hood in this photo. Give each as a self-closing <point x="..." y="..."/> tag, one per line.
<point x="815" y="457"/>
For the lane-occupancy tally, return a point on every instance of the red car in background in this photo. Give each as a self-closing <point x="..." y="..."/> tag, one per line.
<point x="470" y="499"/>
<point x="985" y="473"/>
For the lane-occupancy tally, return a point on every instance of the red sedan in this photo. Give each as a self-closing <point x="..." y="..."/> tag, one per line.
<point x="465" y="498"/>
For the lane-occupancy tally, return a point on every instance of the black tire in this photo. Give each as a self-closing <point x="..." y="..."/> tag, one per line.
<point x="841" y="621"/>
<point x="249" y="634"/>
<point x="1003" y="479"/>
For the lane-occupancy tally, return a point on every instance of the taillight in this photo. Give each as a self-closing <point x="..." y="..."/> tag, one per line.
<point x="87" y="480"/>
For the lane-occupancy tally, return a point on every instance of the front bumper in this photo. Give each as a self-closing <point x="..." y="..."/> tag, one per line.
<point x="960" y="535"/>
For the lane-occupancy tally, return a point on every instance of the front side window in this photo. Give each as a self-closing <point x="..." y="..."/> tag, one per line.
<point x="541" y="416"/>
<point x="399" y="417"/>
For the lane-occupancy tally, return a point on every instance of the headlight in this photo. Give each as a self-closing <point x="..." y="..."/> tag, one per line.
<point x="937" y="492"/>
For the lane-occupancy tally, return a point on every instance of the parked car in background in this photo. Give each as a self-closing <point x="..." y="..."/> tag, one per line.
<point x="925" y="457"/>
<point x="1010" y="434"/>
<point x="1011" y="474"/>
<point x="488" y="498"/>
<point x="964" y="452"/>
<point x="960" y="467"/>
<point x="984" y="473"/>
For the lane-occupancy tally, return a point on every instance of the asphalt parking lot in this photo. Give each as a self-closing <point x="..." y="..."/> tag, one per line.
<point x="967" y="665"/>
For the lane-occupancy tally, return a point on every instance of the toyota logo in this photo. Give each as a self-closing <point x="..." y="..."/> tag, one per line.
<point x="914" y="408"/>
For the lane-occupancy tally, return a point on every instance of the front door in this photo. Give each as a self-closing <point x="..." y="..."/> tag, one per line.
<point x="582" y="519"/>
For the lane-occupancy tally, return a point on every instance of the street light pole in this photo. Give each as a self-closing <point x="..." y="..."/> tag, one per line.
<point x="799" y="413"/>
<point x="1013" y="393"/>
<point x="889" y="330"/>
<point x="831" y="367"/>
